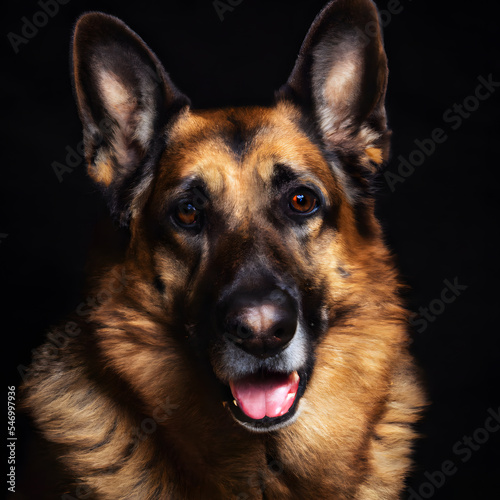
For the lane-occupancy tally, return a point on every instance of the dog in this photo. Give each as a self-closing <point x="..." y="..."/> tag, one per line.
<point x="253" y="342"/>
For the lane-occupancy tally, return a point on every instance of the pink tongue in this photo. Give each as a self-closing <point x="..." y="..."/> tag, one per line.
<point x="270" y="395"/>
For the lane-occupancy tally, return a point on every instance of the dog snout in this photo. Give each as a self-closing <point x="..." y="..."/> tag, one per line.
<point x="260" y="324"/>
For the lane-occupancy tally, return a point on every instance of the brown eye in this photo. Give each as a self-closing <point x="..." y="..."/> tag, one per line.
<point x="304" y="202"/>
<point x="187" y="214"/>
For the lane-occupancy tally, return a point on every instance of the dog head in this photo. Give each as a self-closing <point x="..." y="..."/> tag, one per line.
<point x="247" y="222"/>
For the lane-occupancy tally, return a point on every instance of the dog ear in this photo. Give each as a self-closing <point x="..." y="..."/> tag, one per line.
<point x="341" y="76"/>
<point x="125" y="100"/>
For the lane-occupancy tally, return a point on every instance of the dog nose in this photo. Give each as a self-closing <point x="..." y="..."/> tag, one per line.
<point x="261" y="326"/>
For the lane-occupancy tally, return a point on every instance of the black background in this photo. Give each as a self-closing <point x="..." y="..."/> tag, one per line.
<point x="441" y="221"/>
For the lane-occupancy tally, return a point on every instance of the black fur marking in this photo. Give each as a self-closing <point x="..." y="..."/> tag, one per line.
<point x="343" y="272"/>
<point x="282" y="176"/>
<point x="341" y="314"/>
<point x="159" y="285"/>
<point x="120" y="198"/>
<point x="107" y="439"/>
<point x="237" y="141"/>
<point x="273" y="465"/>
<point x="108" y="471"/>
<point x="158" y="492"/>
<point x="363" y="221"/>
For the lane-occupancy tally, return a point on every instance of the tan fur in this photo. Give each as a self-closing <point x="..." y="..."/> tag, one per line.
<point x="375" y="155"/>
<point x="102" y="173"/>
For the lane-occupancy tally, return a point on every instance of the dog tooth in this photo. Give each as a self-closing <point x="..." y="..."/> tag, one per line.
<point x="235" y="402"/>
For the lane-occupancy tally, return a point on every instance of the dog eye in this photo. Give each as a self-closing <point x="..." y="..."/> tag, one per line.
<point x="187" y="215"/>
<point x="304" y="202"/>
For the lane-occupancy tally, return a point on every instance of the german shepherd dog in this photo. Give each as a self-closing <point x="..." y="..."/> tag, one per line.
<point x="259" y="348"/>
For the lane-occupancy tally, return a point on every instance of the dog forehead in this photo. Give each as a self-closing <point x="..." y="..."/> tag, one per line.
<point x="241" y="146"/>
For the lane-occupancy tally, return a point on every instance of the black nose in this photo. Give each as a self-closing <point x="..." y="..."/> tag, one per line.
<point x="260" y="323"/>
